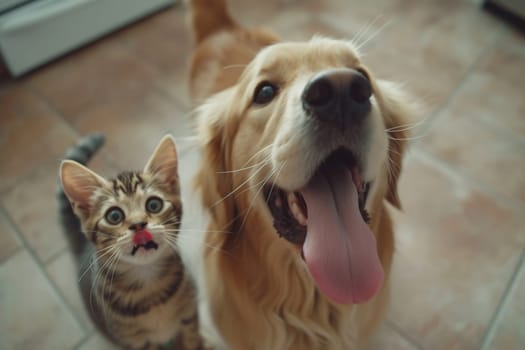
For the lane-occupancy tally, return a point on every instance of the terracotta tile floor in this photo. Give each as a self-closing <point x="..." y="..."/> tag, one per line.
<point x="459" y="272"/>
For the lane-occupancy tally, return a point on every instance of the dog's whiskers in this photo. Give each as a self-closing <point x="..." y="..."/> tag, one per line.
<point x="261" y="186"/>
<point x="361" y="45"/>
<point x="243" y="169"/>
<point x="197" y="231"/>
<point x="256" y="172"/>
<point x="364" y="30"/>
<point x="408" y="126"/>
<point x="264" y="149"/>
<point x="411" y="138"/>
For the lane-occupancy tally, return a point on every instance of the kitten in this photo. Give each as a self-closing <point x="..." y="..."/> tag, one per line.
<point x="133" y="281"/>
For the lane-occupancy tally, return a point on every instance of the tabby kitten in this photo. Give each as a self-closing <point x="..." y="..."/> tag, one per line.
<point x="135" y="285"/>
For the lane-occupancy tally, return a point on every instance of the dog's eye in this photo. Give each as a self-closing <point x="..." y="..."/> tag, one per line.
<point x="264" y="93"/>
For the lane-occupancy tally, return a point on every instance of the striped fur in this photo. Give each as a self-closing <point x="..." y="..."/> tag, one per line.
<point x="139" y="298"/>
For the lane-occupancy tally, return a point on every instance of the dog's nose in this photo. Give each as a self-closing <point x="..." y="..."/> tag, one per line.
<point x="338" y="95"/>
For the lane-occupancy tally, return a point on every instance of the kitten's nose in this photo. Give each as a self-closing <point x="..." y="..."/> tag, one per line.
<point x="137" y="226"/>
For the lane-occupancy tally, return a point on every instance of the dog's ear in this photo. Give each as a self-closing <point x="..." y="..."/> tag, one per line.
<point x="399" y="111"/>
<point x="216" y="131"/>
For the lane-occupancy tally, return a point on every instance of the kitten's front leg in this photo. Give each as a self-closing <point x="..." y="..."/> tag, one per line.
<point x="191" y="338"/>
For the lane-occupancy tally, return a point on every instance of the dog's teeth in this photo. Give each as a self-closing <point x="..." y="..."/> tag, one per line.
<point x="297" y="213"/>
<point x="291" y="197"/>
<point x="293" y="204"/>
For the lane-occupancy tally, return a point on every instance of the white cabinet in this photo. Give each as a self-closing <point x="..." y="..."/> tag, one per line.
<point x="40" y="30"/>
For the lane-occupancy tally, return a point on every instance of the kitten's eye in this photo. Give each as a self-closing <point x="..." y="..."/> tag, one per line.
<point x="264" y="93"/>
<point x="154" y="205"/>
<point x="114" y="215"/>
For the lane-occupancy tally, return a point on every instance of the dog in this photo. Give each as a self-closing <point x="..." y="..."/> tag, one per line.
<point x="301" y="148"/>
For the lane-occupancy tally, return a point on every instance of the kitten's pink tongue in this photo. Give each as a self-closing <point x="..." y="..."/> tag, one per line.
<point x="142" y="237"/>
<point x="340" y="249"/>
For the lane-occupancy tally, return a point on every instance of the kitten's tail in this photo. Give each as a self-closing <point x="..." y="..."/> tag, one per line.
<point x="82" y="152"/>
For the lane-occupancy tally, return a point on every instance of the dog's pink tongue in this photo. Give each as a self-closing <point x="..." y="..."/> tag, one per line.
<point x="340" y="249"/>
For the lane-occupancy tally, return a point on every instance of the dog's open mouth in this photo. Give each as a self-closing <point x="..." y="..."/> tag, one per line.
<point x="327" y="218"/>
<point x="290" y="211"/>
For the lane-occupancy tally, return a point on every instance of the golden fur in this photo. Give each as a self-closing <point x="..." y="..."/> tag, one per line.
<point x="259" y="293"/>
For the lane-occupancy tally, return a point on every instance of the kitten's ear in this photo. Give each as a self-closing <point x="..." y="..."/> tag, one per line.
<point x="79" y="183"/>
<point x="163" y="163"/>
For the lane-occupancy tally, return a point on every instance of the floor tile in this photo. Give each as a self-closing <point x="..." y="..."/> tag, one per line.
<point x="512" y="38"/>
<point x="456" y="250"/>
<point x="164" y="41"/>
<point x="301" y="25"/>
<point x="388" y="338"/>
<point x="97" y="342"/>
<point x="358" y="20"/>
<point x="429" y="46"/>
<point x="30" y="134"/>
<point x="32" y="316"/>
<point x="10" y="244"/>
<point x="479" y="150"/>
<point x="31" y="204"/>
<point x="510" y="328"/>
<point x="134" y="128"/>
<point x="493" y="92"/>
<point x="63" y="271"/>
<point x="92" y="76"/>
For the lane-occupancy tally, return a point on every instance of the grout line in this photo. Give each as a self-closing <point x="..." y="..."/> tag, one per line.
<point x="84" y="340"/>
<point x="433" y="117"/>
<point x="159" y="86"/>
<point x="30" y="89"/>
<point x="55" y="256"/>
<point x="403" y="334"/>
<point x="9" y="186"/>
<point x="60" y="296"/>
<point x="504" y="131"/>
<point x="460" y="176"/>
<point x="14" y="236"/>
<point x="105" y="157"/>
<point x="26" y="86"/>
<point x="502" y="305"/>
<point x="158" y="89"/>
<point x="17" y="250"/>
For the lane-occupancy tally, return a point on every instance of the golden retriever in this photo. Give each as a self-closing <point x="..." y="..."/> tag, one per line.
<point x="301" y="149"/>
